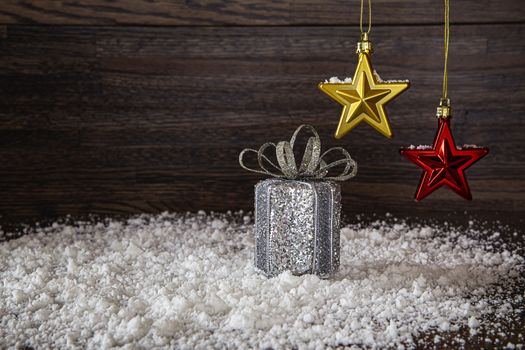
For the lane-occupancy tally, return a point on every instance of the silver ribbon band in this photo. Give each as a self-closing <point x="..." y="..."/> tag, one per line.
<point x="312" y="164"/>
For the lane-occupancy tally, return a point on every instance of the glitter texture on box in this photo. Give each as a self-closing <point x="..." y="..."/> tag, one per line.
<point x="297" y="213"/>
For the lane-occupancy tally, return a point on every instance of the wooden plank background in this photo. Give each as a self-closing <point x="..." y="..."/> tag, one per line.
<point x="118" y="107"/>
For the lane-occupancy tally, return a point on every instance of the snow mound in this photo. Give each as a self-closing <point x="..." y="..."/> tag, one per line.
<point x="187" y="281"/>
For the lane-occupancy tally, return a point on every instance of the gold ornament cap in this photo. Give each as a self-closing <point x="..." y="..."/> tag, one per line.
<point x="444" y="110"/>
<point x="364" y="46"/>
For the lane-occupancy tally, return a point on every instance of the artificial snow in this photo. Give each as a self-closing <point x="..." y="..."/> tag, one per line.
<point x="188" y="282"/>
<point x="336" y="80"/>
<point x="420" y="147"/>
<point x="468" y="146"/>
<point x="428" y="147"/>
<point x="380" y="80"/>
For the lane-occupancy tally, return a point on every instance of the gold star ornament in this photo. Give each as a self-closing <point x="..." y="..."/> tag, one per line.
<point x="365" y="97"/>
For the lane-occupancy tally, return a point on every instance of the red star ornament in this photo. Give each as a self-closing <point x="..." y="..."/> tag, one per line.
<point x="444" y="163"/>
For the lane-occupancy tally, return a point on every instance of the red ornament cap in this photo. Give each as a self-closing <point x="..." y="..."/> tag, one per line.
<point x="444" y="163"/>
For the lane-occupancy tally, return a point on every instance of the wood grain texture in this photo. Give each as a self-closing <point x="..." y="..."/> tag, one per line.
<point x="118" y="120"/>
<point x="250" y="12"/>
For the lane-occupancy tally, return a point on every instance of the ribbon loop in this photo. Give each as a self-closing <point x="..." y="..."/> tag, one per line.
<point x="312" y="166"/>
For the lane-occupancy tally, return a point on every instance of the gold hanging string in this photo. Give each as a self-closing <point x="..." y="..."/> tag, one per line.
<point x="445" y="47"/>
<point x="369" y="17"/>
<point x="444" y="110"/>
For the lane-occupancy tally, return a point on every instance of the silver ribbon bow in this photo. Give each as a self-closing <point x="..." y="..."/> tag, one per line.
<point x="312" y="165"/>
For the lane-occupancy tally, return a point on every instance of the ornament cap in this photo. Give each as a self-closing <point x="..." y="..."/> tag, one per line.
<point x="364" y="46"/>
<point x="444" y="110"/>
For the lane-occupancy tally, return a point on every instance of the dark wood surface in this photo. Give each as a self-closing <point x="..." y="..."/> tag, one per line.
<point x="135" y="106"/>
<point x="130" y="119"/>
<point x="251" y="12"/>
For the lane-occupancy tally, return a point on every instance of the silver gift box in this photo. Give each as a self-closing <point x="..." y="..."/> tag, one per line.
<point x="297" y="227"/>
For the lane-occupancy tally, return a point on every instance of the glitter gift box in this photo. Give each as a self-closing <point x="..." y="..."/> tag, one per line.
<point x="297" y="213"/>
<point x="297" y="226"/>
